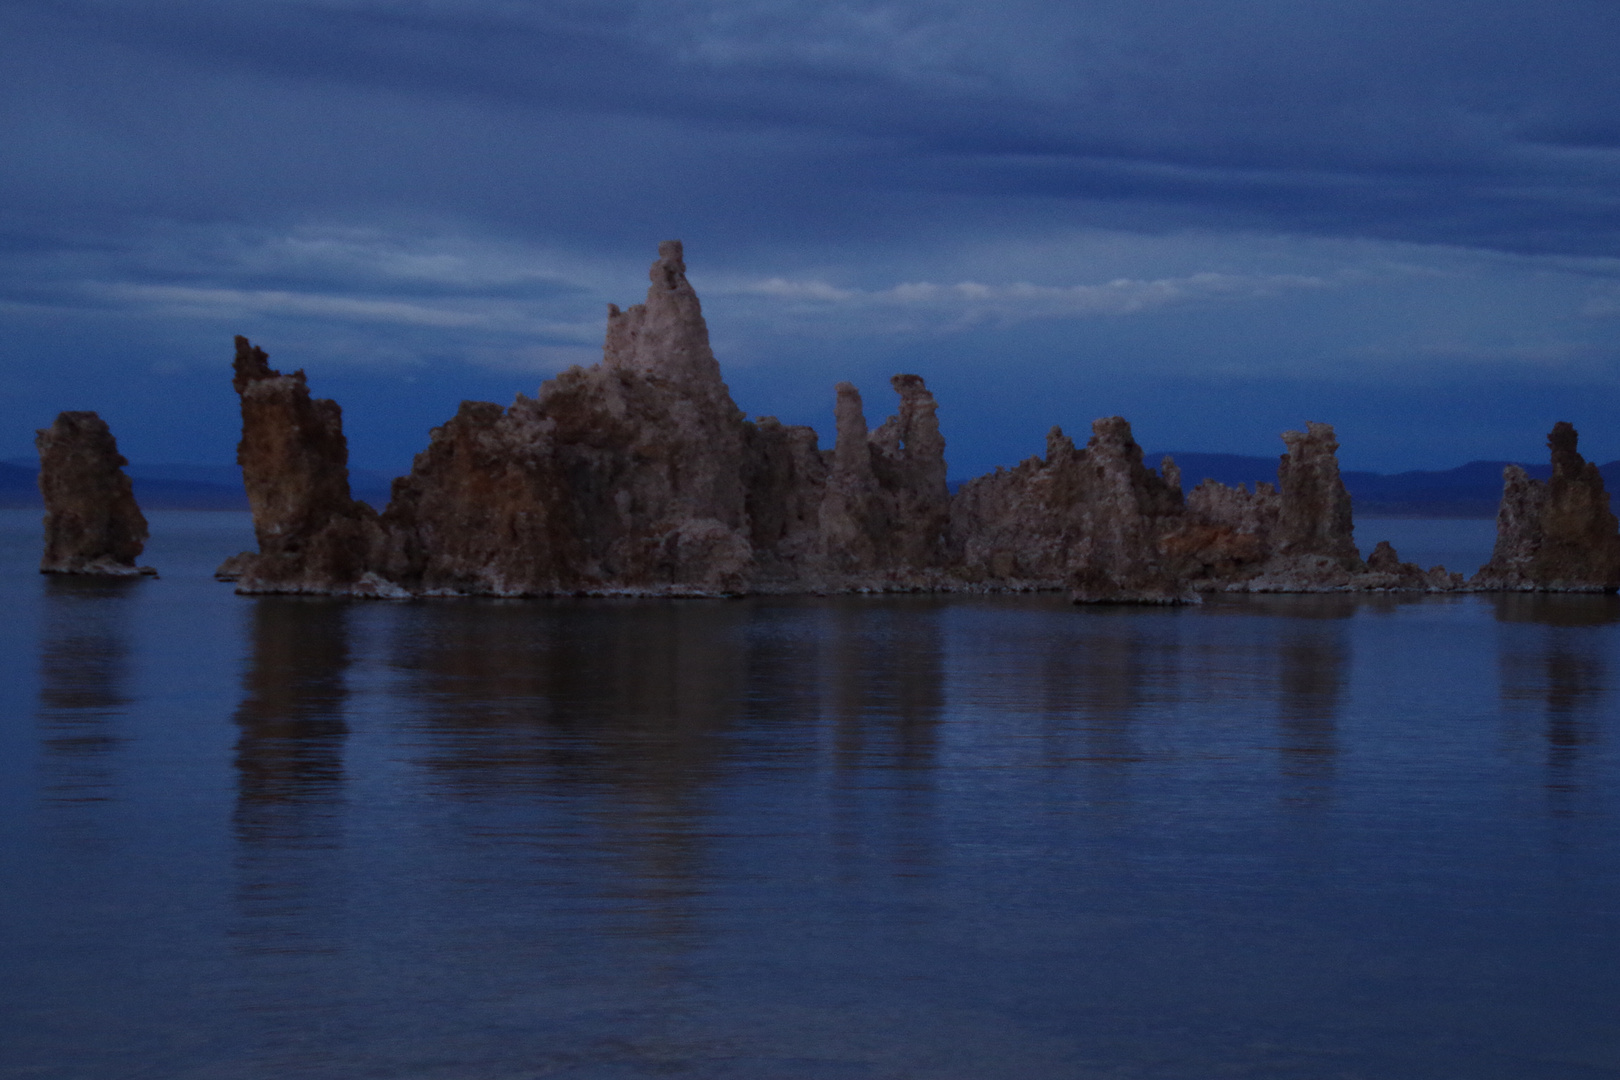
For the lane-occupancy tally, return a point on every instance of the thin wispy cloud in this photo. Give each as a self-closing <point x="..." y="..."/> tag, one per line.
<point x="235" y="304"/>
<point x="965" y="304"/>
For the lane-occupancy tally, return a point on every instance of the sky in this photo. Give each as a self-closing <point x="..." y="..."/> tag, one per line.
<point x="1217" y="220"/>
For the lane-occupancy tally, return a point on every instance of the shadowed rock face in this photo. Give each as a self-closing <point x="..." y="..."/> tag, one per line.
<point x="1558" y="536"/>
<point x="1101" y="522"/>
<point x="1090" y="520"/>
<point x="1124" y="510"/>
<point x="885" y="510"/>
<point x="92" y="524"/>
<point x="313" y="537"/>
<point x="1295" y="537"/>
<point x="1313" y="508"/>
<point x="640" y="475"/>
<point x="637" y="475"/>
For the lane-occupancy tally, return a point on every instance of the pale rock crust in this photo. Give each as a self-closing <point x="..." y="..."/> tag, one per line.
<point x="1558" y="536"/>
<point x="92" y="523"/>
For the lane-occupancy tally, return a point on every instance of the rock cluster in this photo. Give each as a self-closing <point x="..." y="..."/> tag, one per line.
<point x="1101" y="523"/>
<point x="636" y="475"/>
<point x="92" y="523"/>
<point x="1557" y="536"/>
<point x="640" y="475"/>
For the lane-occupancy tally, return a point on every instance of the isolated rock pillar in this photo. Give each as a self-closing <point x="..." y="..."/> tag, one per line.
<point x="92" y="523"/>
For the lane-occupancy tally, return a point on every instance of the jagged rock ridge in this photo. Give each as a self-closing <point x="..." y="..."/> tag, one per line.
<point x="636" y="475"/>
<point x="92" y="523"/>
<point x="640" y="475"/>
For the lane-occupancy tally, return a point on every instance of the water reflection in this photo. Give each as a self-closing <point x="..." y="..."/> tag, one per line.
<point x="289" y="771"/>
<point x="83" y="685"/>
<point x="628" y="721"/>
<point x="621" y="706"/>
<point x="887" y="676"/>
<point x="1557" y="660"/>
<point x="1557" y="609"/>
<point x="887" y="697"/>
<point x="1098" y="682"/>
<point x="1311" y="671"/>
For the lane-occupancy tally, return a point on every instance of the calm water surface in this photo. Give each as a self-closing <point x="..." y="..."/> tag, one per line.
<point x="905" y="837"/>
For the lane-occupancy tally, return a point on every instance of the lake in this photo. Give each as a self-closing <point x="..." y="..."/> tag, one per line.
<point x="898" y="837"/>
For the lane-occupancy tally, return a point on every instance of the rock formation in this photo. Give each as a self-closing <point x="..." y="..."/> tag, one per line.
<point x="639" y="475"/>
<point x="295" y="464"/>
<point x="92" y="523"/>
<point x="1558" y="536"/>
<point x="1227" y="536"/>
<point x="1103" y="524"/>
<point x="1297" y="536"/>
<point x="1090" y="520"/>
<point x="636" y="475"/>
<point x="884" y="515"/>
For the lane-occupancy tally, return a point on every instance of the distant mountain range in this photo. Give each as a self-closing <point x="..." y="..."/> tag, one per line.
<point x="1468" y="491"/>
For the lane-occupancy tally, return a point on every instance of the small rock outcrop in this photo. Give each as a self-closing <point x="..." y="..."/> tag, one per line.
<point x="1385" y="570"/>
<point x="92" y="523"/>
<point x="1557" y="536"/>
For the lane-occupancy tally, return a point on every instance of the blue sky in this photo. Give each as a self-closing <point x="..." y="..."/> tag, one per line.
<point x="1219" y="220"/>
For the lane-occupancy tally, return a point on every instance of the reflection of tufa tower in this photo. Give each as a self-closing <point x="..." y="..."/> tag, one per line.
<point x="1311" y="679"/>
<point x="1555" y="664"/>
<point x="83" y="687"/>
<point x="289" y="770"/>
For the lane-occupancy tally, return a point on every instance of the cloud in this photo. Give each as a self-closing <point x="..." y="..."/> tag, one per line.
<point x="950" y="307"/>
<point x="1603" y="304"/>
<point x="1482" y="125"/>
<point x="171" y="301"/>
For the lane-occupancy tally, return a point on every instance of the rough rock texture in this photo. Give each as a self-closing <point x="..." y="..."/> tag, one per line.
<point x="1313" y="512"/>
<point x="1123" y="511"/>
<point x="92" y="524"/>
<point x="1090" y="520"/>
<point x="484" y="509"/>
<point x="637" y="475"/>
<point x="785" y="480"/>
<point x="1227" y="535"/>
<point x="1558" y="536"/>
<point x="640" y="475"/>
<point x="1385" y="563"/>
<point x="313" y="537"/>
<point x="1296" y="537"/>
<point x="884" y="515"/>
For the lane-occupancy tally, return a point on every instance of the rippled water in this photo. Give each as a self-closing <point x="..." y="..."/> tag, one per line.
<point x="902" y="837"/>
